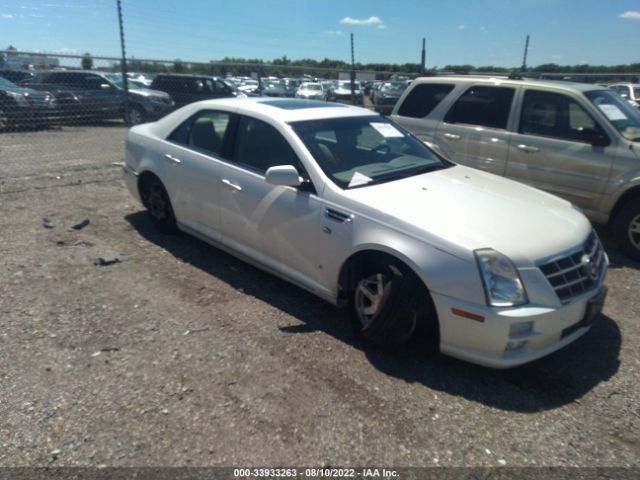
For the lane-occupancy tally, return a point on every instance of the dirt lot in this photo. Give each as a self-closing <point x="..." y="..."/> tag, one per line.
<point x="183" y="355"/>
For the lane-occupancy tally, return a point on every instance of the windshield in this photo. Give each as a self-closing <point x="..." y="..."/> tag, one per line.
<point x="624" y="117"/>
<point x="7" y="84"/>
<point x="636" y="92"/>
<point x="311" y="86"/>
<point x="347" y="85"/>
<point x="360" y="151"/>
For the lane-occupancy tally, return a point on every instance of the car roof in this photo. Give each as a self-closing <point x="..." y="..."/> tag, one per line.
<point x="277" y="110"/>
<point x="555" y="84"/>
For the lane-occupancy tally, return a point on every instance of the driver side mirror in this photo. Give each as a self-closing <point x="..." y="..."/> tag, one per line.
<point x="283" y="175"/>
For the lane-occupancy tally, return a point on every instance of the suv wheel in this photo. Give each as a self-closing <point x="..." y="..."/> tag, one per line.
<point x="135" y="115"/>
<point x="626" y="227"/>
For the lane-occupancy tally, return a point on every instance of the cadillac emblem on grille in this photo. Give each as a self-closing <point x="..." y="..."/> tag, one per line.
<point x="589" y="268"/>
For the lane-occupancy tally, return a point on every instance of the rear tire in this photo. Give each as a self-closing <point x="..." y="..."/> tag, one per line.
<point x="626" y="228"/>
<point x="156" y="199"/>
<point x="391" y="305"/>
<point x="134" y="115"/>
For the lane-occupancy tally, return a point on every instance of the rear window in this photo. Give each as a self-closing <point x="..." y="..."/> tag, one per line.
<point x="423" y="98"/>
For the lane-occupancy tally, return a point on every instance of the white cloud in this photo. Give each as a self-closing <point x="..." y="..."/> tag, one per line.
<point x="556" y="56"/>
<point x="381" y="27"/>
<point x="7" y="15"/>
<point x="335" y="33"/>
<point x="355" y="21"/>
<point x="630" y="15"/>
<point x="461" y="27"/>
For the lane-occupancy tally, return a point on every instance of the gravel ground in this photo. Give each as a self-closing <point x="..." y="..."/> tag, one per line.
<point x="182" y="355"/>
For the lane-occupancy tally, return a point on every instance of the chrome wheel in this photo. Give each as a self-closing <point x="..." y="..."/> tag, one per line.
<point x="634" y="231"/>
<point x="134" y="116"/>
<point x="370" y="295"/>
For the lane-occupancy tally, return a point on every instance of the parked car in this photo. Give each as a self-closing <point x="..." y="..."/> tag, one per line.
<point x="342" y="93"/>
<point x="273" y="88"/>
<point x="628" y="91"/>
<point x="185" y="89"/>
<point x="18" y="76"/>
<point x="387" y="95"/>
<point x="84" y="94"/>
<point x="353" y="208"/>
<point x="578" y="141"/>
<point x="21" y="106"/>
<point x="374" y="88"/>
<point x="310" y="91"/>
<point x="249" y="86"/>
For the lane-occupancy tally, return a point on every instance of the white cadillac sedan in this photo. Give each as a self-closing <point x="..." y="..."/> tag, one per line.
<point x="351" y="207"/>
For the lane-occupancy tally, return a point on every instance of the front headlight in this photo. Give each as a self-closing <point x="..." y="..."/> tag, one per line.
<point x="20" y="99"/>
<point x="502" y="284"/>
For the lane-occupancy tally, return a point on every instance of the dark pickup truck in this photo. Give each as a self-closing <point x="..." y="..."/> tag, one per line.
<point x="92" y="95"/>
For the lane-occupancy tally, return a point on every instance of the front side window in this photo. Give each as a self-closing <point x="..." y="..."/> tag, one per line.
<point x="555" y="115"/>
<point x="203" y="132"/>
<point x="423" y="98"/>
<point x="259" y="146"/>
<point x="482" y="106"/>
<point x="623" y="117"/>
<point x="360" y="151"/>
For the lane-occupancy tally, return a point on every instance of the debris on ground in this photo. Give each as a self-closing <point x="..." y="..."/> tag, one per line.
<point x="196" y="330"/>
<point x="80" y="225"/>
<point x="110" y="259"/>
<point x="46" y="223"/>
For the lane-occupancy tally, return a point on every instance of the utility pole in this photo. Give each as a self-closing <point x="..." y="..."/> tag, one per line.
<point x="353" y="73"/>
<point x="524" y="60"/>
<point x="123" y="65"/>
<point x="424" y="56"/>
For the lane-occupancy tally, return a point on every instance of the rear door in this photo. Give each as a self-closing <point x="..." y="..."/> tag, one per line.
<point x="194" y="157"/>
<point x="551" y="148"/>
<point x="474" y="130"/>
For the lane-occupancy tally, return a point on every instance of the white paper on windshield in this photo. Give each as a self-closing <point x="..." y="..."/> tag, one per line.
<point x="612" y="112"/>
<point x="387" y="130"/>
<point x="359" y="179"/>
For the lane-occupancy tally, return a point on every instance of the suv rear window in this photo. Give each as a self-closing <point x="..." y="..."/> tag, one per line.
<point x="423" y="98"/>
<point x="482" y="106"/>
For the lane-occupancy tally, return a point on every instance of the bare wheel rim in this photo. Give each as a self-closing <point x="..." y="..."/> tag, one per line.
<point x="371" y="294"/>
<point x="157" y="202"/>
<point x="634" y="231"/>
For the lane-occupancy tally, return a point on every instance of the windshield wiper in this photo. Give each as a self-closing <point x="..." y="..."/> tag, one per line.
<point x="404" y="174"/>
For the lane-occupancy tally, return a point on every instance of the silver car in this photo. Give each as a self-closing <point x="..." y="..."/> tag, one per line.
<point x="577" y="141"/>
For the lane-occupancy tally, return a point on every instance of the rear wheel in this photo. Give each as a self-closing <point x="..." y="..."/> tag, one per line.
<point x="391" y="305"/>
<point x="626" y="228"/>
<point x="156" y="199"/>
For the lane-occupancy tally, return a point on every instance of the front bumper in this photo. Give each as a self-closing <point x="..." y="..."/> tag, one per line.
<point x="488" y="342"/>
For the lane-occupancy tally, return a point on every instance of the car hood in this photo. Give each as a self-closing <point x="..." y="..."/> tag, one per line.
<point x="147" y="92"/>
<point x="27" y="91"/>
<point x="460" y="209"/>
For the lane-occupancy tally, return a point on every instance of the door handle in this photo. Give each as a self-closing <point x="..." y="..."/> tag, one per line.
<point x="173" y="159"/>
<point x="231" y="185"/>
<point x="528" y="148"/>
<point x="451" y="136"/>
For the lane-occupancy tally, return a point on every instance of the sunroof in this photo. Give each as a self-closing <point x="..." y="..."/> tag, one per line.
<point x="298" y="104"/>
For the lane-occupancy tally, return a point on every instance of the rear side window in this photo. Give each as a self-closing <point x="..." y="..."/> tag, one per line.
<point x="482" y="106"/>
<point x="423" y="98"/>
<point x="203" y="132"/>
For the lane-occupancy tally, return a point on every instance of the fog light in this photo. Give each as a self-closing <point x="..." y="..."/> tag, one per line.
<point x="518" y="345"/>
<point x="520" y="329"/>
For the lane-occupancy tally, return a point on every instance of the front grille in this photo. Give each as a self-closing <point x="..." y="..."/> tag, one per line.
<point x="577" y="272"/>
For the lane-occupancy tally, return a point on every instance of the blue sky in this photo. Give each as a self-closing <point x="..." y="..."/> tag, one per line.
<point x="477" y="32"/>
